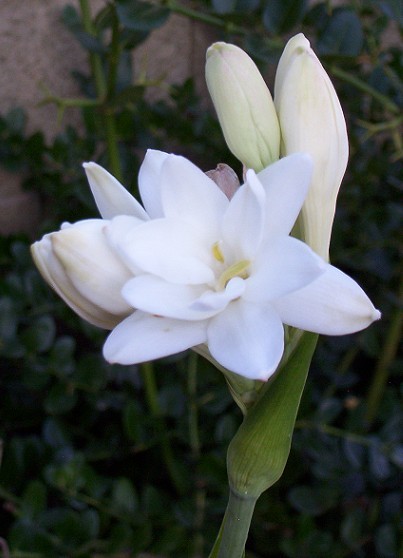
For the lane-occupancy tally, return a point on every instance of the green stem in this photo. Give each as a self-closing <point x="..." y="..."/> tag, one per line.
<point x="362" y="86"/>
<point x="210" y="19"/>
<point x="95" y="59"/>
<point x="103" y="87"/>
<point x="151" y="392"/>
<point x="232" y="538"/>
<point x="388" y="354"/>
<point x="193" y="410"/>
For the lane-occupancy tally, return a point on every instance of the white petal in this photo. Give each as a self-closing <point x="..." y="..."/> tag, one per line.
<point x="110" y="196"/>
<point x="212" y="302"/>
<point x="333" y="304"/>
<point x="91" y="265"/>
<point x="156" y="296"/>
<point x="53" y="272"/>
<point x="286" y="185"/>
<point x="243" y="222"/>
<point x="247" y="339"/>
<point x="284" y="264"/>
<point x="118" y="233"/>
<point x="142" y="337"/>
<point x="170" y="249"/>
<point x="188" y="194"/>
<point x="150" y="182"/>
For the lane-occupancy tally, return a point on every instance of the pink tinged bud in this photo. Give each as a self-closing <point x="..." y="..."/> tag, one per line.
<point x="225" y="178"/>
<point x="312" y="121"/>
<point x="80" y="266"/>
<point x="244" y="106"/>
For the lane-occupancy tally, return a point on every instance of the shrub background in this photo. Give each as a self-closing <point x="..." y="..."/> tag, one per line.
<point x="109" y="461"/>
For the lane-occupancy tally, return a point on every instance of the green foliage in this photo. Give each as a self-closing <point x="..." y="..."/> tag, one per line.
<point x="96" y="462"/>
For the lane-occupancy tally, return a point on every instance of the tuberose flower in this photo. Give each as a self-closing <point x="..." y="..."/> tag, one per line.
<point x="195" y="267"/>
<point x="225" y="273"/>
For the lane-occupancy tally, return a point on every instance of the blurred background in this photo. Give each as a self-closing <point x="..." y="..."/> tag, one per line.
<point x="108" y="461"/>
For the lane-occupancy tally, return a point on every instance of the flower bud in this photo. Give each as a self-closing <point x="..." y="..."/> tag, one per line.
<point x="225" y="178"/>
<point x="311" y="121"/>
<point x="244" y="106"/>
<point x="82" y="268"/>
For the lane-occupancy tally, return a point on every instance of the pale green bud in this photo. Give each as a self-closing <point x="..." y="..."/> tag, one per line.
<point x="244" y="106"/>
<point x="82" y="268"/>
<point x="312" y="121"/>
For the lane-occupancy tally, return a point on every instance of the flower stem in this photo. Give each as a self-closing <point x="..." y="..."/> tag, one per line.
<point x="234" y="531"/>
<point x="362" y="86"/>
<point x="380" y="378"/>
<point x="104" y="87"/>
<point x="151" y="392"/>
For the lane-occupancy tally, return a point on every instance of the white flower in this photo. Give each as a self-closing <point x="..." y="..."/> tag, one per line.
<point x="225" y="273"/>
<point x="244" y="105"/>
<point x="312" y="121"/>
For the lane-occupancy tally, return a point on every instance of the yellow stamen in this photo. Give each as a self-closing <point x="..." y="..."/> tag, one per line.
<point x="238" y="269"/>
<point x="217" y="253"/>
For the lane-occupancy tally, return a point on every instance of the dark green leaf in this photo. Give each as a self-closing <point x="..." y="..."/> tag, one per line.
<point x="39" y="337"/>
<point x="60" y="399"/>
<point x="124" y="497"/>
<point x="282" y="15"/>
<point x="140" y="15"/>
<point x="342" y="36"/>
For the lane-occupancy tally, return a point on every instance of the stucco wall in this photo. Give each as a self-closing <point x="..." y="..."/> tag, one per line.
<point x="36" y="51"/>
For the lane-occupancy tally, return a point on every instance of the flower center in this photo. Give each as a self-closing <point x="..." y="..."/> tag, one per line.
<point x="238" y="269"/>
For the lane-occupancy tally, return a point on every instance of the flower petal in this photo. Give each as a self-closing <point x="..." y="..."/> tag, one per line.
<point x="150" y="182"/>
<point x="212" y="302"/>
<point x="168" y="248"/>
<point x="110" y="196"/>
<point x="117" y="232"/>
<point x="159" y="297"/>
<point x="247" y="207"/>
<point x="54" y="273"/>
<point x="284" y="264"/>
<point x="247" y="339"/>
<point x="142" y="337"/>
<point x="286" y="184"/>
<point x="91" y="265"/>
<point x="333" y="304"/>
<point x="184" y="302"/>
<point x="188" y="194"/>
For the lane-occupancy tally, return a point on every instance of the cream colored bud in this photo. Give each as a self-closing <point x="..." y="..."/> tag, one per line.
<point x="79" y="265"/>
<point x="312" y="121"/>
<point x="244" y="106"/>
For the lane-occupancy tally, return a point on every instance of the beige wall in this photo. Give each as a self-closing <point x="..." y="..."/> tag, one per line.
<point x="36" y="51"/>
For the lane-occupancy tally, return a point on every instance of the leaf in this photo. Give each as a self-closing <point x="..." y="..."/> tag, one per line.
<point x="386" y="541"/>
<point x="124" y="497"/>
<point x="60" y="400"/>
<point x="39" y="337"/>
<point x="310" y="500"/>
<point x="282" y="15"/>
<point x="351" y="527"/>
<point x="33" y="499"/>
<point x="342" y="36"/>
<point x="139" y="15"/>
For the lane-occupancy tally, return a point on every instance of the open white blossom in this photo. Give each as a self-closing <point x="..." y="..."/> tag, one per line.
<point x="194" y="267"/>
<point x="225" y="273"/>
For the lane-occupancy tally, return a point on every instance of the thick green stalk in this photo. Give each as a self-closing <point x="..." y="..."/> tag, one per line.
<point x="231" y="540"/>
<point x="259" y="450"/>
